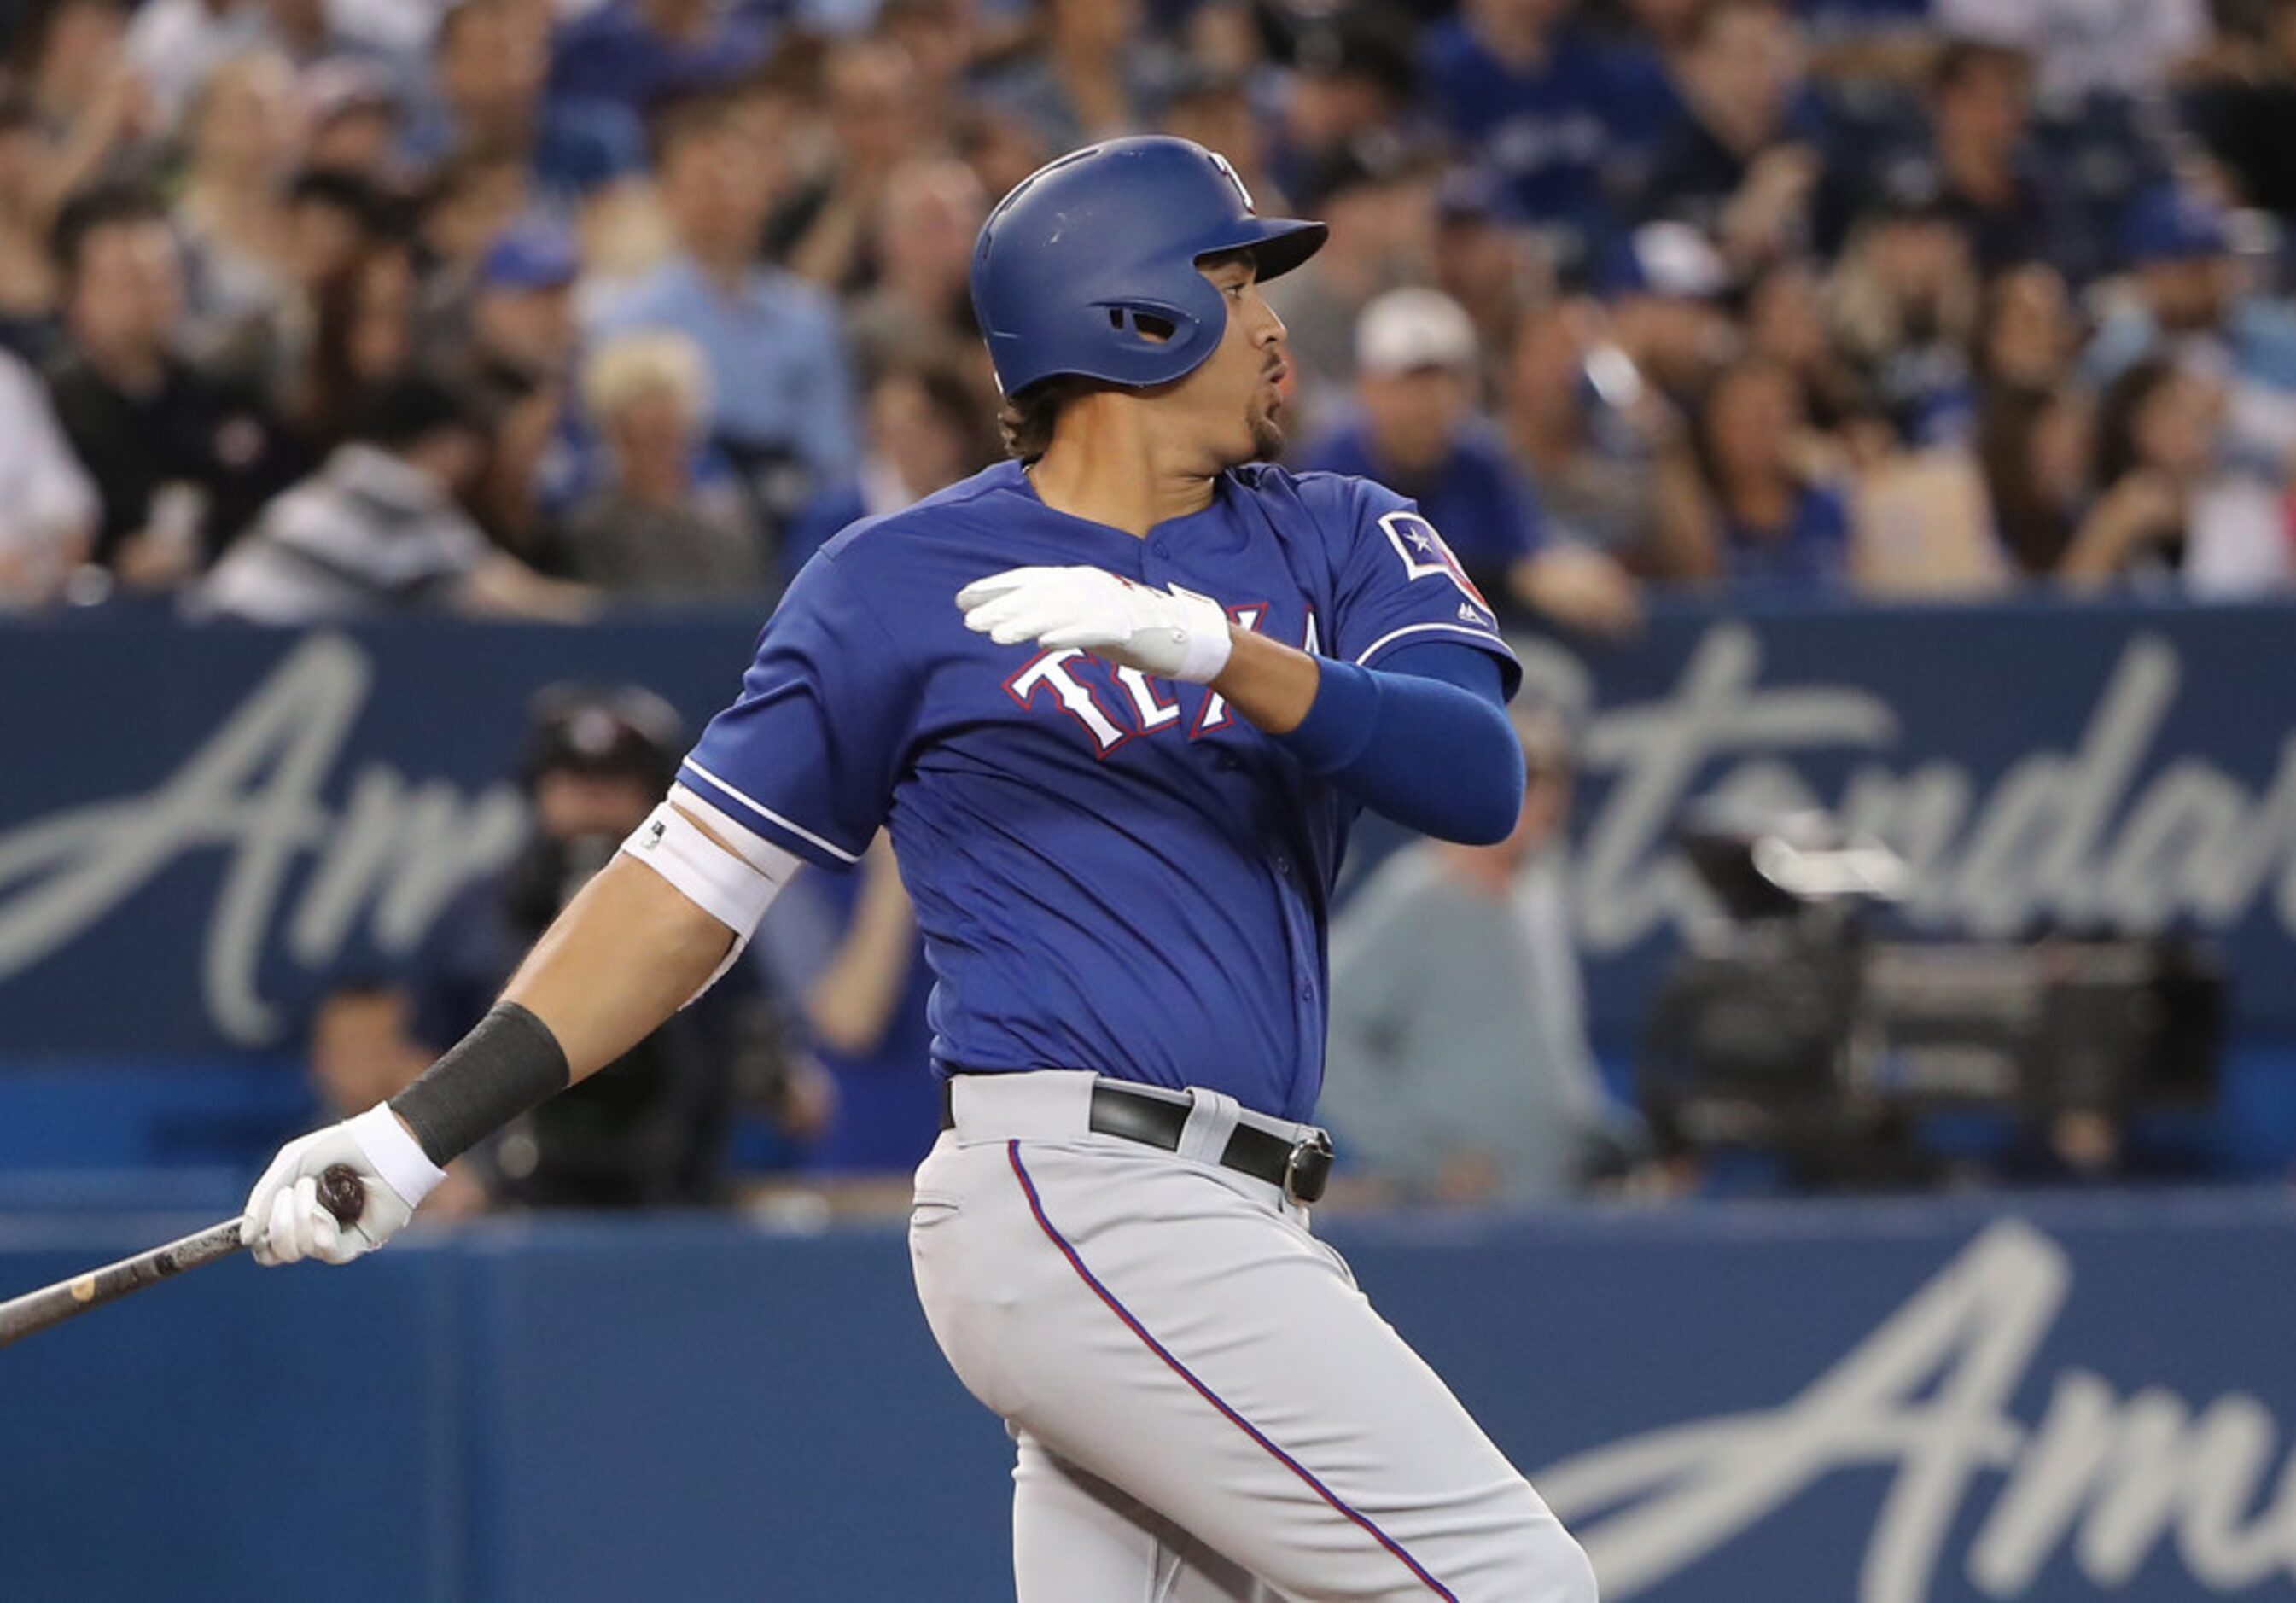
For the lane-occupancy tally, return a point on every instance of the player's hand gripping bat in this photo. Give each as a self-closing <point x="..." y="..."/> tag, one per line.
<point x="340" y="1188"/>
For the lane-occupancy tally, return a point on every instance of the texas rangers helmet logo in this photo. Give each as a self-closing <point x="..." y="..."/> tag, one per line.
<point x="1424" y="555"/>
<point x="1228" y="173"/>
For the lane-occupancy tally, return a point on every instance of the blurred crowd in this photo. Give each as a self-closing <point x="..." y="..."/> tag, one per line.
<point x="317" y="307"/>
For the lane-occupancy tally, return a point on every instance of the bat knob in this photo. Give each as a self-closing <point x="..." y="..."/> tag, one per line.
<point x="343" y="1193"/>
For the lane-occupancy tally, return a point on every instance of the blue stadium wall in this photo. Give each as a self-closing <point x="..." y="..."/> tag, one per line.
<point x="199" y="829"/>
<point x="2060" y="1398"/>
<point x="2046" y="1399"/>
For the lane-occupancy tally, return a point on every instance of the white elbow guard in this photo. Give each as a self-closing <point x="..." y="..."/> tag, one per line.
<point x="734" y="883"/>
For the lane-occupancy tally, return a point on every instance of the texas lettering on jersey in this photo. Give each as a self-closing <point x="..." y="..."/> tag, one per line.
<point x="1113" y="705"/>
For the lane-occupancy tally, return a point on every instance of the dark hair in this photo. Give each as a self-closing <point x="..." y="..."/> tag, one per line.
<point x="1959" y="60"/>
<point x="2117" y="453"/>
<point x="1026" y="421"/>
<point x="2034" y="529"/>
<point x="1705" y="449"/>
<point x="1993" y="306"/>
<point x="329" y="387"/>
<point x="456" y="176"/>
<point x="106" y="206"/>
<point x="955" y="398"/>
<point x="681" y="115"/>
<point x="377" y="212"/>
<point x="1377" y="159"/>
<point x="32" y="25"/>
<point x="1365" y="42"/>
<point x="398" y="412"/>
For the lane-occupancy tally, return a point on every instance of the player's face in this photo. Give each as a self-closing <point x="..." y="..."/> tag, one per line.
<point x="1238" y="391"/>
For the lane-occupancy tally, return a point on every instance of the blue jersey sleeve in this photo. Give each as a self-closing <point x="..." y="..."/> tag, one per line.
<point x="808" y="756"/>
<point x="1398" y="585"/>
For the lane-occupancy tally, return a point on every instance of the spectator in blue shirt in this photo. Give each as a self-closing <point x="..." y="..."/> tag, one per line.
<point x="1541" y="103"/>
<point x="781" y="398"/>
<point x="844" y="948"/>
<point x="1415" y="428"/>
<point x="488" y="62"/>
<point x="1774" y="526"/>
<point x="633" y="53"/>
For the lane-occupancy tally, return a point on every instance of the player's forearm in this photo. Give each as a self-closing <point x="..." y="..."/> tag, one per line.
<point x="627" y="953"/>
<point x="1270" y="684"/>
<point x="1426" y="743"/>
<point x="578" y="1003"/>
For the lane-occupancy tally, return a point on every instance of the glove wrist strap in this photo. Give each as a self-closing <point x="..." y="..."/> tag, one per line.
<point x="1206" y="653"/>
<point x="396" y="1157"/>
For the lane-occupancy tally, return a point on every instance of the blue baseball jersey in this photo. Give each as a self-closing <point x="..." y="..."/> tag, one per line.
<point x="1111" y="872"/>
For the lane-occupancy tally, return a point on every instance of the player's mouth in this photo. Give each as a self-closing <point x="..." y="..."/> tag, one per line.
<point x="1277" y="373"/>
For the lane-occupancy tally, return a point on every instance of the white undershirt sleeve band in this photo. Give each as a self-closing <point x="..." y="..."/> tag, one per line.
<point x="734" y="882"/>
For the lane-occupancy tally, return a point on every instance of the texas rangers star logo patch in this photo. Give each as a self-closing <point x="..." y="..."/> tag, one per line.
<point x="1424" y="555"/>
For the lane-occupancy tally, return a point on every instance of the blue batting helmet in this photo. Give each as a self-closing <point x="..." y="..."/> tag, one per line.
<point x="1071" y="262"/>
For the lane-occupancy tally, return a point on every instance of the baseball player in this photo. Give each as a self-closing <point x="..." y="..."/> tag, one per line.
<point x="1118" y="701"/>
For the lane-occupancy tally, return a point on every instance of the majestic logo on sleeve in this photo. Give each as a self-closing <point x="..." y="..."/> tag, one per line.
<point x="1426" y="557"/>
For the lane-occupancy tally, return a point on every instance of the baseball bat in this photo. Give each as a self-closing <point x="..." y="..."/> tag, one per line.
<point x="340" y="1188"/>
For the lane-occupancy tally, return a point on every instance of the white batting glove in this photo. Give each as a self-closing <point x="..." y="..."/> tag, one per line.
<point x="285" y="1220"/>
<point x="1162" y="632"/>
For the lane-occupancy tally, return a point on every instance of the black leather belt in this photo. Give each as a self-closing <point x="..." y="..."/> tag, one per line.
<point x="1300" y="1169"/>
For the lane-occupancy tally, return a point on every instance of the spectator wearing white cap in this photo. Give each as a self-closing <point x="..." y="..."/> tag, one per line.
<point x="1415" y="427"/>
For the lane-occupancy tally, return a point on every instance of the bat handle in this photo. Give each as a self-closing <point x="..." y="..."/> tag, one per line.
<point x="343" y="1193"/>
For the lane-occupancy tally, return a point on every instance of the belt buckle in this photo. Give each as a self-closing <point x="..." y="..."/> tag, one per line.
<point x="1307" y="1172"/>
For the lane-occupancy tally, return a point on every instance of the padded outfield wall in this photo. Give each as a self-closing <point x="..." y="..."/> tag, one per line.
<point x="2066" y="1399"/>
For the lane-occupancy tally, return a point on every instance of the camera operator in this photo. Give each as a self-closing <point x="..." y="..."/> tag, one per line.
<point x="652" y="1128"/>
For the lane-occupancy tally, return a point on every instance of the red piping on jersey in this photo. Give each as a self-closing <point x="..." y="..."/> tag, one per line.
<point x="1037" y="1206"/>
